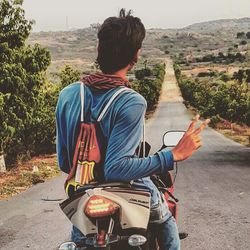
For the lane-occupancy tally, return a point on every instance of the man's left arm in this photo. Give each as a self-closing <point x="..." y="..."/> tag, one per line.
<point x="61" y="148"/>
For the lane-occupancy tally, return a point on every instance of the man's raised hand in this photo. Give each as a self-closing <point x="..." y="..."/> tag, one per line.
<point x="190" y="141"/>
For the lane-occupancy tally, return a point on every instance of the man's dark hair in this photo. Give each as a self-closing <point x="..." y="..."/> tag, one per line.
<point x="119" y="40"/>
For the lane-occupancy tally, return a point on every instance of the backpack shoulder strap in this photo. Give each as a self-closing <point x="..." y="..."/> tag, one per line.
<point x="118" y="92"/>
<point x="82" y="100"/>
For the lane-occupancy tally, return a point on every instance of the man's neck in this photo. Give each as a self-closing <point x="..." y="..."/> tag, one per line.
<point x="121" y="73"/>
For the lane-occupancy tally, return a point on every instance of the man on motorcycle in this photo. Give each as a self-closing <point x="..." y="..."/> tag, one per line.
<point x="120" y="40"/>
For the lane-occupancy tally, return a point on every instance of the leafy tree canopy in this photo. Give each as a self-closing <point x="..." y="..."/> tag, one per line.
<point x="69" y="75"/>
<point x="22" y="71"/>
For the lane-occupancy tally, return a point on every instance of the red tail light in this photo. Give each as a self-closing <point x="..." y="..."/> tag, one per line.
<point x="99" y="206"/>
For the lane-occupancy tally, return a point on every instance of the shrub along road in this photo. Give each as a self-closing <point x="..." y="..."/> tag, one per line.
<point x="213" y="188"/>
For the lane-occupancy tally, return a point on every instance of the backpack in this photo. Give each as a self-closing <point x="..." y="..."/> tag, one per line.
<point x="89" y="153"/>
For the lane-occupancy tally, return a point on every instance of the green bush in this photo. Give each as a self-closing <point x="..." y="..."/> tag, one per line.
<point x="230" y="101"/>
<point x="177" y="70"/>
<point x="159" y="71"/>
<point x="42" y="139"/>
<point x="142" y="73"/>
<point x="224" y="77"/>
<point x="150" y="88"/>
<point x="68" y="75"/>
<point x="243" y="42"/>
<point x="26" y="103"/>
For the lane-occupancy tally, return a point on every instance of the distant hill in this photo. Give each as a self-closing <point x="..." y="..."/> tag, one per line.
<point x="228" y="24"/>
<point x="78" y="47"/>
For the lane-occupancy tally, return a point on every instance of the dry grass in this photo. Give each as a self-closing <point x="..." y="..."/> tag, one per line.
<point x="26" y="174"/>
<point x="242" y="139"/>
<point x="236" y="132"/>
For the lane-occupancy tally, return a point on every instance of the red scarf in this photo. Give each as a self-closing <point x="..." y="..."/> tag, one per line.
<point x="100" y="81"/>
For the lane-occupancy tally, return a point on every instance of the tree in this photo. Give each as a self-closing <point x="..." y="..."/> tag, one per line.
<point x="224" y="77"/>
<point x="22" y="75"/>
<point x="150" y="88"/>
<point x="142" y="73"/>
<point x="243" y="42"/>
<point x="238" y="56"/>
<point x="43" y="128"/>
<point x="177" y="71"/>
<point x="69" y="75"/>
<point x="239" y="76"/>
<point x="240" y="34"/>
<point x="220" y="54"/>
<point x="248" y="75"/>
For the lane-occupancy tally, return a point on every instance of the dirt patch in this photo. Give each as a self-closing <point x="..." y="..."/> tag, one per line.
<point x="242" y="139"/>
<point x="26" y="174"/>
<point x="194" y="72"/>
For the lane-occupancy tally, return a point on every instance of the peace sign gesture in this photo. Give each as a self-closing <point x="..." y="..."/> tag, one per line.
<point x="190" y="141"/>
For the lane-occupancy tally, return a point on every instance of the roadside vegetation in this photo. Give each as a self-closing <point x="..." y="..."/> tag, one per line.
<point x="222" y="97"/>
<point x="148" y="83"/>
<point x="27" y="99"/>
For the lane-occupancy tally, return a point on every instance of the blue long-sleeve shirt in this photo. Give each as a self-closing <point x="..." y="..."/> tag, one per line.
<point x="122" y="128"/>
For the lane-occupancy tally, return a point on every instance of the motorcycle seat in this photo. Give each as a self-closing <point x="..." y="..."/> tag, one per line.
<point x="82" y="189"/>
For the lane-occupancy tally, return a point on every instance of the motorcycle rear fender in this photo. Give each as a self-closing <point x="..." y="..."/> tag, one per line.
<point x="134" y="211"/>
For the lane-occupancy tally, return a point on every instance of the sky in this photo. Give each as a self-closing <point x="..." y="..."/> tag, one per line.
<point x="51" y="15"/>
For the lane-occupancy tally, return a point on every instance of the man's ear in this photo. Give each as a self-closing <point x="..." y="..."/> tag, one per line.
<point x="135" y="59"/>
<point x="137" y="55"/>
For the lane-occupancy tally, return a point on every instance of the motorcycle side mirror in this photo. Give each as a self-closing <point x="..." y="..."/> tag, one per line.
<point x="172" y="138"/>
<point x="68" y="246"/>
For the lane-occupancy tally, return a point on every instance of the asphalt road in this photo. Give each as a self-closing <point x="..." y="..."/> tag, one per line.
<point x="213" y="187"/>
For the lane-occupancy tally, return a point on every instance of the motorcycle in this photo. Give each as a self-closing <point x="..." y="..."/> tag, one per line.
<point x="116" y="215"/>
